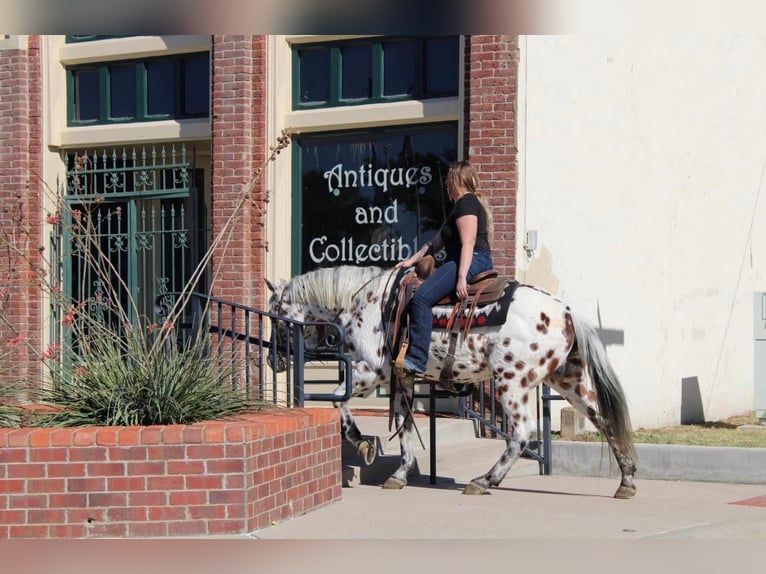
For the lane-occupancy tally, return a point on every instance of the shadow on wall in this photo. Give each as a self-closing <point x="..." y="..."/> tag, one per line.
<point x="692" y="411"/>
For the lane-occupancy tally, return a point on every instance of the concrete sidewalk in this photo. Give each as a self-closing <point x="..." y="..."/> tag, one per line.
<point x="525" y="506"/>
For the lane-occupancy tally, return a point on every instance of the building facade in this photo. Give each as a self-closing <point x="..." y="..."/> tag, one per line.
<point x="621" y="176"/>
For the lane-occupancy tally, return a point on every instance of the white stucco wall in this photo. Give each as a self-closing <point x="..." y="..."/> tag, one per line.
<point x="642" y="162"/>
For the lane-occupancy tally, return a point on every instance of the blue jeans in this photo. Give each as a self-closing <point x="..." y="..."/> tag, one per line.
<point x="433" y="289"/>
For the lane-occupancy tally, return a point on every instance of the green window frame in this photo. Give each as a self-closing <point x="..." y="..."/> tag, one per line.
<point x="178" y="91"/>
<point x="308" y="58"/>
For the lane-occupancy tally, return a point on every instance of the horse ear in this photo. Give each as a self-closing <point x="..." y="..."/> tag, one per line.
<point x="270" y="286"/>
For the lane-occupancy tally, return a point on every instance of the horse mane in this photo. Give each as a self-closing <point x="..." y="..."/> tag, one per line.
<point x="331" y="287"/>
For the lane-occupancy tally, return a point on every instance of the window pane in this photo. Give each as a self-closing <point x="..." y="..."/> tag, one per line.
<point x="315" y="75"/>
<point x="442" y="65"/>
<point x="356" y="72"/>
<point x="398" y="68"/>
<point x="196" y="85"/>
<point x="86" y="95"/>
<point x="372" y="199"/>
<point x="159" y="88"/>
<point x="122" y="91"/>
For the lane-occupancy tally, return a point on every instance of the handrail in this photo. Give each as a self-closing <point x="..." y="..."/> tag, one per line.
<point x="243" y="328"/>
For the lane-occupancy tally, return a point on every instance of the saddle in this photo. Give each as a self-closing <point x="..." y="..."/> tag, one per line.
<point x="486" y="287"/>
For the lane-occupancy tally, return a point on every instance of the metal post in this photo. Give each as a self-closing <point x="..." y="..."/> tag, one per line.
<point x="432" y="429"/>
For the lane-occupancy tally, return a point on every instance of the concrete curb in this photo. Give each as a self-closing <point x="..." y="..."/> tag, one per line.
<point x="664" y="462"/>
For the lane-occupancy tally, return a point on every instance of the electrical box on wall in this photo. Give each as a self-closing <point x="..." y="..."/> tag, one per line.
<point x="759" y="315"/>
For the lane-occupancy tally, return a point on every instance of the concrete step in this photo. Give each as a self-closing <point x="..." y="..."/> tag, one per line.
<point x="460" y="455"/>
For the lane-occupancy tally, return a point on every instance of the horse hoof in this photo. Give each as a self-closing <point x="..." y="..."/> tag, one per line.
<point x="394" y="484"/>
<point x="474" y="488"/>
<point x="625" y="492"/>
<point x="366" y="451"/>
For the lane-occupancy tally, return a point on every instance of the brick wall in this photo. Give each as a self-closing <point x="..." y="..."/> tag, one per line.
<point x="239" y="148"/>
<point x="20" y="202"/>
<point x="224" y="477"/>
<point x="491" y="68"/>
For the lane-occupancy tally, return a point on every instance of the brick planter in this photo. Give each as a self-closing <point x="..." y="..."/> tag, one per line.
<point x="220" y="477"/>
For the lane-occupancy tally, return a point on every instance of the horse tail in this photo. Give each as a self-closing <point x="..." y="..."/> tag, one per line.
<point x="612" y="404"/>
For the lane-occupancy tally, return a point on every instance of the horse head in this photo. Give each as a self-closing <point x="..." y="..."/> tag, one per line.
<point x="279" y="329"/>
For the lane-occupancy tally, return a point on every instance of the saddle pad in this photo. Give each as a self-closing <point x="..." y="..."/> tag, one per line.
<point x="491" y="314"/>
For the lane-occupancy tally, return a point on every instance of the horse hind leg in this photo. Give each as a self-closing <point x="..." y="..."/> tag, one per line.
<point x="571" y="383"/>
<point x="405" y="429"/>
<point x="515" y="402"/>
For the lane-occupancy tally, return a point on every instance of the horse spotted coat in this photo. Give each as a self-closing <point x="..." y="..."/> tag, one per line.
<point x="541" y="341"/>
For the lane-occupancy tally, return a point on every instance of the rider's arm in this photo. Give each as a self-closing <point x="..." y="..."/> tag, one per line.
<point x="467" y="226"/>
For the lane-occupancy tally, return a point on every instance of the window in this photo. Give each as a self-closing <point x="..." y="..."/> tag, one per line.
<point x="137" y="91"/>
<point x="370" y="197"/>
<point x="388" y="68"/>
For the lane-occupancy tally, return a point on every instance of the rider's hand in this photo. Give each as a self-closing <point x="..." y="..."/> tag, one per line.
<point x="461" y="289"/>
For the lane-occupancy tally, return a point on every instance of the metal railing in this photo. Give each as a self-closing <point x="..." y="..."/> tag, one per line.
<point x="482" y="406"/>
<point x="243" y="339"/>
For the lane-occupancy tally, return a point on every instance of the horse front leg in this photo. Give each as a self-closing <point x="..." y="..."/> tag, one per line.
<point x="364" y="380"/>
<point x="404" y="390"/>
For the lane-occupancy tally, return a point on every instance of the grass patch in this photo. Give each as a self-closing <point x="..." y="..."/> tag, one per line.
<point x="715" y="433"/>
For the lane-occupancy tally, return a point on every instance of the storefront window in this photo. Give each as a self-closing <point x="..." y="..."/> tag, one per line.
<point x="371" y="197"/>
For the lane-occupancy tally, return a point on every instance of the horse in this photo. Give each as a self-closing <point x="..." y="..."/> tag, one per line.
<point x="538" y="339"/>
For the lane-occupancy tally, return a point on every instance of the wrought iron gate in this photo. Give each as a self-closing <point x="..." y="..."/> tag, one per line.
<point x="129" y="227"/>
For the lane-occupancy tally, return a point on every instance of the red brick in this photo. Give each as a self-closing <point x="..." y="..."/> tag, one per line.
<point x="90" y="453"/>
<point x="68" y="500"/>
<point x="36" y="531"/>
<point x="204" y="482"/>
<point x="118" y="530"/>
<point x="207" y="512"/>
<point x="69" y="531"/>
<point x="47" y="454"/>
<point x="145" y="468"/>
<point x="186" y="467"/>
<point x="128" y="514"/>
<point x="206" y="451"/>
<point x="97" y="484"/>
<point x="27" y="501"/>
<point x="165" y="452"/>
<point x="46" y="516"/>
<point x="172" y="435"/>
<point x="108" y="436"/>
<point x="18" y="437"/>
<point x="125" y="453"/>
<point x="189" y="497"/>
<point x="84" y="436"/>
<point x="151" y="435"/>
<point x="46" y="485"/>
<point x="167" y="513"/>
<point x="40" y="438"/>
<point x="165" y="482"/>
<point x="95" y="469"/>
<point x="128" y="483"/>
<point x="186" y="528"/>
<point x="24" y="470"/>
<point x="62" y="437"/>
<point x="129" y="436"/>
<point x="107" y="499"/>
<point x="147" y="498"/>
<point x="226" y="527"/>
<point x="65" y="469"/>
<point x="13" y="516"/>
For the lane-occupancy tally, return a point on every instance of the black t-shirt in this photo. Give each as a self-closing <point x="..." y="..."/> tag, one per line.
<point x="468" y="204"/>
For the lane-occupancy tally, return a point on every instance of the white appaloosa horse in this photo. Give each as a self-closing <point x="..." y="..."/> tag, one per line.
<point x="538" y="339"/>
